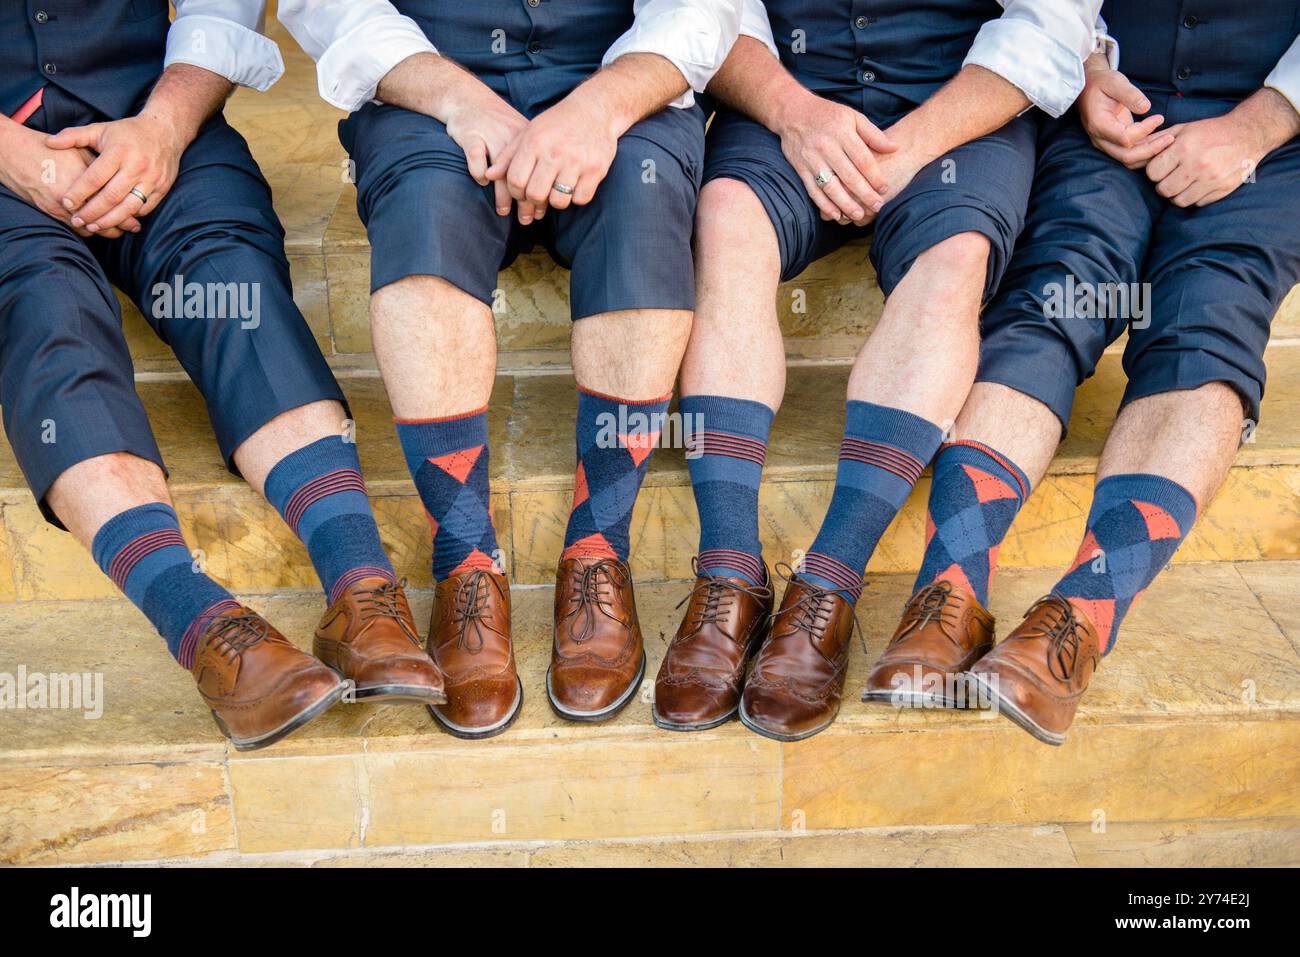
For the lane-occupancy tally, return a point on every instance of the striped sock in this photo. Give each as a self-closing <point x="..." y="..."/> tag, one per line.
<point x="975" y="495"/>
<point x="319" y="492"/>
<point x="143" y="552"/>
<point x="448" y="459"/>
<point x="882" y="455"/>
<point x="1135" y="525"/>
<point x="615" y="438"/>
<point x="729" y="444"/>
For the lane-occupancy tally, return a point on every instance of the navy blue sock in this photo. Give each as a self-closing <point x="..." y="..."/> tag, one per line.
<point x="729" y="444"/>
<point x="319" y="492"/>
<point x="143" y="552"/>
<point x="883" y="454"/>
<point x="615" y="438"/>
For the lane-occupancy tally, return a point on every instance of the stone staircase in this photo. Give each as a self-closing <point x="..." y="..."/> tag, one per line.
<point x="1186" y="751"/>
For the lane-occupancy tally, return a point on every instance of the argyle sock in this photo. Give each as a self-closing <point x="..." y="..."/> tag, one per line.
<point x="615" y="438"/>
<point x="726" y="464"/>
<point x="143" y="552"/>
<point x="975" y="495"/>
<point x="1135" y="525"/>
<point x="319" y="492"/>
<point x="882" y="455"/>
<point x="448" y="459"/>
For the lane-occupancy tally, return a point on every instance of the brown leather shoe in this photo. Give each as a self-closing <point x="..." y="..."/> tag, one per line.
<point x="1038" y="673"/>
<point x="597" y="659"/>
<point x="944" y="631"/>
<point x="469" y="638"/>
<point x="258" y="685"/>
<point x="369" y="636"/>
<point x="794" y="687"/>
<point x="699" y="682"/>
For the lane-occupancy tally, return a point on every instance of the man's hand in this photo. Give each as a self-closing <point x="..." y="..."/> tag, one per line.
<point x="1106" y="109"/>
<point x="573" y="144"/>
<point x="1210" y="158"/>
<point x="567" y="145"/>
<point x="833" y="149"/>
<point x="41" y="176"/>
<point x="140" y="152"/>
<point x="484" y="126"/>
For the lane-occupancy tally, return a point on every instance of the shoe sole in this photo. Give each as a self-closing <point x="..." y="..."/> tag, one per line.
<point x="694" y="726"/>
<point x="408" y="693"/>
<point x="605" y="713"/>
<point x="749" y="722"/>
<point x="912" y="699"/>
<point x="1015" y="714"/>
<point x="293" y="724"/>
<point x="487" y="731"/>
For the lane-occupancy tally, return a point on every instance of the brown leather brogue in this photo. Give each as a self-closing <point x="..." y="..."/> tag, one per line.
<point x="794" y="687"/>
<point x="469" y="639"/>
<point x="700" y="680"/>
<point x="369" y="636"/>
<point x="1038" y="673"/>
<point x="597" y="658"/>
<point x="943" y="632"/>
<point x="258" y="685"/>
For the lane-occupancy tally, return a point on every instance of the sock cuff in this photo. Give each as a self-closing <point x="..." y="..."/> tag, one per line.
<point x="585" y="393"/>
<point x="724" y="414"/>
<point x="1156" y="489"/>
<point x="124" y="527"/>
<point x="896" y="427"/>
<point x="966" y="449"/>
<point x="423" y="438"/>
<point x="330" y="454"/>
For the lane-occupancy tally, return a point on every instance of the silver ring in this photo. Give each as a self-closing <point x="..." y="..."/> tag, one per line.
<point x="561" y="188"/>
<point x="135" y="191"/>
<point x="824" y="177"/>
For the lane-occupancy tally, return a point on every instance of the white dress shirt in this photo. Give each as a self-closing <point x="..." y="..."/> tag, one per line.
<point x="356" y="42"/>
<point x="1285" y="77"/>
<point x="1036" y="45"/>
<point x="225" y="36"/>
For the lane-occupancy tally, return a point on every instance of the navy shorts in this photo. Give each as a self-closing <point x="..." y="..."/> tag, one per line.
<point x="1206" y="280"/>
<point x="980" y="187"/>
<point x="629" y="248"/>
<point x="67" y="386"/>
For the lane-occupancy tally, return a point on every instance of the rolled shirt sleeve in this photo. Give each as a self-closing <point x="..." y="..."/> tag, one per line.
<point x="754" y="24"/>
<point x="355" y="43"/>
<point x="1285" y="77"/>
<point x="1039" y="46"/>
<point x="694" y="35"/>
<point x="225" y="37"/>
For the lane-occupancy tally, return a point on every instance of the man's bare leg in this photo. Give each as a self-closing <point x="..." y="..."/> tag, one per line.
<point x="88" y="494"/>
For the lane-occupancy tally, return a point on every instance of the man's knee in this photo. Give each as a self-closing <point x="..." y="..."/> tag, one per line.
<point x="731" y="216"/>
<point x="962" y="253"/>
<point x="422" y="295"/>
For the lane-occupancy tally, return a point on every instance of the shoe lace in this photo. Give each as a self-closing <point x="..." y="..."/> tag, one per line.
<point x="588" y="591"/>
<point x="237" y="633"/>
<point x="471" y="608"/>
<point x="931" y="605"/>
<point x="718" y="594"/>
<point x="385" y="601"/>
<point x="812" y="612"/>
<point x="1064" y="634"/>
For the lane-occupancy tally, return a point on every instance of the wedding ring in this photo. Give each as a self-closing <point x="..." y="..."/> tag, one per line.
<point x="136" y="192"/>
<point x="824" y="177"/>
<point x="561" y="188"/>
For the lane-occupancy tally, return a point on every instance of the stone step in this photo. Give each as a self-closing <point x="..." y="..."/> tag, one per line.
<point x="244" y="544"/>
<point x="825" y="313"/>
<point x="1195" y="718"/>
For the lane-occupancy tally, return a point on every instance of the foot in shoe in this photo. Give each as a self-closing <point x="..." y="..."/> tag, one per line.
<point x="258" y="685"/>
<point x="700" y="680"/>
<point x="1039" y="672"/>
<point x="469" y="640"/>
<point x="369" y="636"/>
<point x="597" y="656"/>
<point x="794" y="688"/>
<point x="944" y="630"/>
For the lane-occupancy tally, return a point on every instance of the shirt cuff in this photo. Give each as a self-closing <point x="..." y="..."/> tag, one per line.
<point x="690" y="39"/>
<point x="1048" y="71"/>
<point x="241" y="55"/>
<point x="349" y="71"/>
<point x="754" y="24"/>
<point x="1285" y="77"/>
